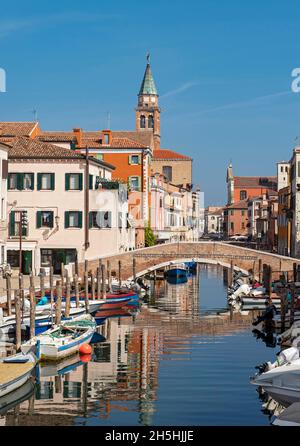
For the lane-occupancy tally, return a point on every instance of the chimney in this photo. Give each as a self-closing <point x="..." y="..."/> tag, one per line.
<point x="107" y="137"/>
<point x="78" y="135"/>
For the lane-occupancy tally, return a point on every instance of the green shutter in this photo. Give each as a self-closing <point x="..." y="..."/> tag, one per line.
<point x="39" y="181"/>
<point x="12" y="224"/>
<point x="139" y="183"/>
<point x="90" y="220"/>
<point x="20" y="181"/>
<point x="140" y="159"/>
<point x="80" y="219"/>
<point x="32" y="181"/>
<point x="67" y="223"/>
<point x="80" y="181"/>
<point x="67" y="181"/>
<point x="91" y="181"/>
<point x="51" y="218"/>
<point x="52" y="181"/>
<point x="129" y="159"/>
<point x="39" y="219"/>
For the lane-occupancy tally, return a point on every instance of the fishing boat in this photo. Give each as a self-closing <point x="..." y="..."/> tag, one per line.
<point x="289" y="417"/>
<point x="177" y="273"/>
<point x="15" y="371"/>
<point x="63" y="340"/>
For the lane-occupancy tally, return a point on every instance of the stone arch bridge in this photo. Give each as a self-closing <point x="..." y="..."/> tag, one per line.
<point x="220" y="253"/>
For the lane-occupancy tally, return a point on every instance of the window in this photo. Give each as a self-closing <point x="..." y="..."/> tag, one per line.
<point x="243" y="225"/>
<point x="231" y="212"/>
<point x="20" y="181"/>
<point x="232" y="226"/>
<point x="167" y="172"/>
<point x="46" y="257"/>
<point x="135" y="183"/>
<point x="73" y="219"/>
<point x="100" y="220"/>
<point x="286" y="168"/>
<point x="12" y="181"/>
<point x="243" y="195"/>
<point x="120" y="220"/>
<point x="281" y="169"/>
<point x="213" y="226"/>
<point x="212" y="217"/>
<point x="44" y="219"/>
<point x="142" y="122"/>
<point x="243" y="213"/>
<point x="134" y="159"/>
<point x="45" y="181"/>
<point x="14" y="224"/>
<point x="150" y="122"/>
<point x="106" y="138"/>
<point x="73" y="181"/>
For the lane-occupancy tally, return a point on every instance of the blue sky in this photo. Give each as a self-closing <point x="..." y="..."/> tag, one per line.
<point x="222" y="69"/>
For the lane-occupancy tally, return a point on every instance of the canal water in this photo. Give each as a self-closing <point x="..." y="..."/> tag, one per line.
<point x="168" y="362"/>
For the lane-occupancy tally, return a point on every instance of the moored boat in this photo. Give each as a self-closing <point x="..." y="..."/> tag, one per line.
<point x="63" y="340"/>
<point x="177" y="272"/>
<point x="15" y="371"/>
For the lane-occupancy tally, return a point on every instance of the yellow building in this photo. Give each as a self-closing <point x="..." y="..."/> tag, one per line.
<point x="284" y="221"/>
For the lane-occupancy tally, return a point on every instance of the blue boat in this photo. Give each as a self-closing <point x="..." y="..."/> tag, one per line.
<point x="177" y="273"/>
<point x="191" y="266"/>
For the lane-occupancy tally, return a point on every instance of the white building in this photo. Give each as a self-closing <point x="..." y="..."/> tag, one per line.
<point x="74" y="210"/>
<point x="283" y="172"/>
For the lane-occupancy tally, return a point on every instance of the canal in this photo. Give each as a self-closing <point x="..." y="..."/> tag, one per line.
<point x="168" y="362"/>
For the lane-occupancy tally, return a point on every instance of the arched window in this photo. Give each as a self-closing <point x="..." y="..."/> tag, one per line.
<point x="142" y="122"/>
<point x="150" y="122"/>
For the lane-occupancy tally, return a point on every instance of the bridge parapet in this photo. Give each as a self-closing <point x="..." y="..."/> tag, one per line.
<point x="207" y="251"/>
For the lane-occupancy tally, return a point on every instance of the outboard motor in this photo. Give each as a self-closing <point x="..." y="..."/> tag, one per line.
<point x="140" y="282"/>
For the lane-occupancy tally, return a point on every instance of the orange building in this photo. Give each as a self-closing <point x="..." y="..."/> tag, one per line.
<point x="236" y="219"/>
<point x="242" y="188"/>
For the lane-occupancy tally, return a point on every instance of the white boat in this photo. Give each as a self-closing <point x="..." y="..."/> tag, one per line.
<point x="63" y="340"/>
<point x="15" y="371"/>
<point x="289" y="417"/>
<point x="10" y="400"/>
<point x="281" y="380"/>
<point x="8" y="323"/>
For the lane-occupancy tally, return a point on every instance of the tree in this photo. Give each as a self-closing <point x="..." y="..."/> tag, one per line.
<point x="150" y="239"/>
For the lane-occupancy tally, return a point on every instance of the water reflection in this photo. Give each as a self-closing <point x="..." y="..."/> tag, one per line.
<point x="154" y="366"/>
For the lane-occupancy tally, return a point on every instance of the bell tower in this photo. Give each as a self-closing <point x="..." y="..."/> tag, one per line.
<point x="147" y="110"/>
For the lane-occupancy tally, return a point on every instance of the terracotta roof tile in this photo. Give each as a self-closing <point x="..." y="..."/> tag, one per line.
<point x="270" y="182"/>
<point x="168" y="154"/>
<point x="32" y="148"/>
<point x="243" y="204"/>
<point x="8" y="129"/>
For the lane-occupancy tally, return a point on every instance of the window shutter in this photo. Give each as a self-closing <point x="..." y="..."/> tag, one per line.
<point x="52" y="218"/>
<point x="67" y="224"/>
<point x="80" y="181"/>
<point x="39" y="181"/>
<point x="140" y="159"/>
<point x="80" y="219"/>
<point x="129" y="159"/>
<point x="12" y="224"/>
<point x="139" y="183"/>
<point x="67" y="182"/>
<point x="109" y="219"/>
<point x="90" y="220"/>
<point x="91" y="181"/>
<point x="20" y="181"/>
<point x="38" y="219"/>
<point x="32" y="181"/>
<point x="52" y="181"/>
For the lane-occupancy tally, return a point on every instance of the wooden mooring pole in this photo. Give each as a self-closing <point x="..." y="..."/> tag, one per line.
<point x="8" y="294"/>
<point x="292" y="306"/>
<point x="76" y="286"/>
<point x="68" y="297"/>
<point x="86" y="291"/>
<point x="42" y="282"/>
<point x="103" y="279"/>
<point x="134" y="268"/>
<point x="109" y="276"/>
<point x="93" y="285"/>
<point x="98" y="274"/>
<point x="32" y="311"/>
<point x="259" y="270"/>
<point x="120" y="273"/>
<point x="18" y="319"/>
<point x="283" y="308"/>
<point x="58" y="302"/>
<point x="270" y="282"/>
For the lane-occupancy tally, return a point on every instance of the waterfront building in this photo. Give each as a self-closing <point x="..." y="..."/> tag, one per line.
<point x="236" y="219"/>
<point x="177" y="168"/>
<point x="283" y="174"/>
<point x="214" y="220"/>
<point x="295" y="202"/>
<point x="75" y="210"/>
<point x="3" y="201"/>
<point x="285" y="217"/>
<point x="242" y="188"/>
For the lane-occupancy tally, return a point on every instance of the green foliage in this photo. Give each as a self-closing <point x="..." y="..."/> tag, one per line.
<point x="150" y="239"/>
